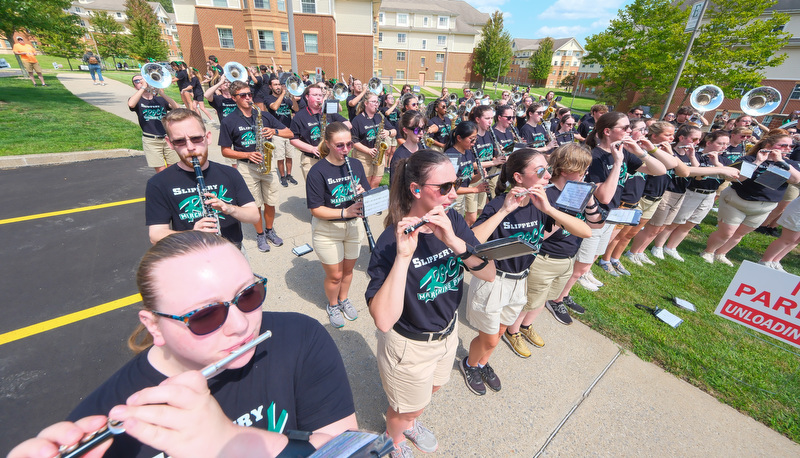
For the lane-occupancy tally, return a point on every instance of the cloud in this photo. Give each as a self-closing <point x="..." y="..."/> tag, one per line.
<point x="561" y="31"/>
<point x="564" y="10"/>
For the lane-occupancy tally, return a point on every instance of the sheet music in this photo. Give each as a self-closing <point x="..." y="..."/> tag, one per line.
<point x="574" y="196"/>
<point x="376" y="200"/>
<point x="622" y="216"/>
<point x="774" y="177"/>
<point x="747" y="169"/>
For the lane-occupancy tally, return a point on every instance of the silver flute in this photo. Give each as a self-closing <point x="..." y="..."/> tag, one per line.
<point x="425" y="221"/>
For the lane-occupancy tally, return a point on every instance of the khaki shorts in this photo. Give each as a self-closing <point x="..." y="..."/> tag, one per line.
<point x="471" y="201"/>
<point x="306" y="162"/>
<point x="409" y="369"/>
<point x="335" y="241"/>
<point x="283" y="149"/>
<point x="667" y="209"/>
<point x="391" y="141"/>
<point x="157" y="153"/>
<point x="595" y="245"/>
<point x="263" y="186"/>
<point x="32" y="67"/>
<point x="695" y="207"/>
<point x="370" y="169"/>
<point x="735" y="211"/>
<point x="494" y="303"/>
<point x="547" y="279"/>
<point x="790" y="218"/>
<point x="792" y="192"/>
<point x="648" y="206"/>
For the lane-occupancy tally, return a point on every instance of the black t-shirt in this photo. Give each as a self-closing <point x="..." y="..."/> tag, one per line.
<point x="197" y="88"/>
<point x="401" y="152"/>
<point x="149" y="113"/>
<point x="223" y="105"/>
<point x="634" y="188"/>
<point x="392" y="118"/>
<point x="295" y="381"/>
<point x="464" y="164"/>
<point x="710" y="183"/>
<point x="586" y="126"/>
<point x="504" y="139"/>
<point x="561" y="243"/>
<point x="264" y="91"/>
<point x="351" y="111"/>
<point x="564" y="137"/>
<point x="528" y="222"/>
<point x="734" y="153"/>
<point x="238" y="130"/>
<point x="434" y="280"/>
<point x="748" y="189"/>
<point x="602" y="162"/>
<point x="183" y="79"/>
<point x="444" y="129"/>
<point x="284" y="111"/>
<point x="365" y="130"/>
<point x="257" y="88"/>
<point x="536" y="136"/>
<point x="329" y="185"/>
<point x="484" y="147"/>
<point x="678" y="184"/>
<point x="171" y="197"/>
<point x="306" y="126"/>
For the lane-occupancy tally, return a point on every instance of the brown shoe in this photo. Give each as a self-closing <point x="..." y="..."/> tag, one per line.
<point x="532" y="336"/>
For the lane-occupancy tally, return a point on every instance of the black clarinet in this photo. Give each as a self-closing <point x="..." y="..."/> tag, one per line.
<point x="483" y="175"/>
<point x="208" y="210"/>
<point x="370" y="239"/>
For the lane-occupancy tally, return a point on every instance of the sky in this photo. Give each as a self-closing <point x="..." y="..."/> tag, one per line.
<point x="554" y="18"/>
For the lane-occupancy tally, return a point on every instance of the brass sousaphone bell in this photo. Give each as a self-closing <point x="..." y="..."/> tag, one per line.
<point x="234" y="71"/>
<point x="156" y="75"/>
<point x="760" y="101"/>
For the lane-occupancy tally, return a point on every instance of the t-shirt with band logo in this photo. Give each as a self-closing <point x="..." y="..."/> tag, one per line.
<point x="434" y="280"/>
<point x="710" y="183"/>
<point x="535" y="136"/>
<point x="750" y="190"/>
<point x="391" y="117"/>
<point x="306" y="125"/>
<point x="149" y="114"/>
<point x="238" y="131"/>
<point x="484" y="147"/>
<point x="504" y="138"/>
<point x="365" y="130"/>
<point x="444" y="129"/>
<point x="329" y="185"/>
<point x="223" y="105"/>
<point x="561" y="243"/>
<point x="599" y="170"/>
<point x="464" y="164"/>
<point x="284" y="111"/>
<point x="678" y="184"/>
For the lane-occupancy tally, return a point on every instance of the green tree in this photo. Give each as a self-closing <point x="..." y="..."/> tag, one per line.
<point x="167" y="4"/>
<point x="568" y="82"/>
<point x="111" y="42"/>
<point x="539" y="64"/>
<point x="34" y="16"/>
<point x="641" y="49"/>
<point x="145" y="40"/>
<point x="493" y="54"/>
<point x="64" y="43"/>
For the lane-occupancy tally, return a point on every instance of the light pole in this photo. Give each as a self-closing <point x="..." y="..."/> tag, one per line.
<point x="444" y="73"/>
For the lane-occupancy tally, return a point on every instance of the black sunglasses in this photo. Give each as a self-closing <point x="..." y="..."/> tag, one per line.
<point x="444" y="188"/>
<point x="182" y="141"/>
<point x="245" y="94"/>
<point x="211" y="317"/>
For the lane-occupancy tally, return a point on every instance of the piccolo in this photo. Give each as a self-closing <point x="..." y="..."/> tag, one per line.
<point x="528" y="191"/>
<point x="116" y="427"/>
<point x="425" y="221"/>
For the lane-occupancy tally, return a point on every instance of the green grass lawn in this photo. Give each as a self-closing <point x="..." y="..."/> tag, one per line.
<point x="52" y="120"/>
<point x="46" y="62"/>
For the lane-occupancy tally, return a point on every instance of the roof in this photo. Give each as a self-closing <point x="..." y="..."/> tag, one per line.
<point x="526" y="44"/>
<point x="103" y="5"/>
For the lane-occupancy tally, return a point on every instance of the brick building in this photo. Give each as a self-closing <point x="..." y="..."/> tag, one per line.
<point x="336" y="35"/>
<point x="567" y="55"/>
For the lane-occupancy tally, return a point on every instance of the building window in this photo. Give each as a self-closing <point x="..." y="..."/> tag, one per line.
<point x="426" y="21"/>
<point x="400" y="74"/>
<point x="285" y="41"/>
<point x="119" y="15"/>
<point x="249" y="40"/>
<point x="309" y="7"/>
<point x="577" y="54"/>
<point x="439" y="57"/>
<point x="77" y="9"/>
<point x="380" y="73"/>
<point x="244" y="4"/>
<point x="261" y="4"/>
<point x="554" y="72"/>
<point x="221" y="3"/>
<point x="444" y="22"/>
<point x="225" y="38"/>
<point x="401" y="38"/>
<point x="83" y="24"/>
<point x="381" y="18"/>
<point x="401" y="56"/>
<point x="424" y="44"/>
<point x="442" y="40"/>
<point x="795" y="93"/>
<point x="374" y="53"/>
<point x="380" y="36"/>
<point x="555" y="62"/>
<point x="402" y="19"/>
<point x="266" y="40"/>
<point x="374" y="27"/>
<point x="437" y="76"/>
<point x="380" y="55"/>
<point x="422" y="62"/>
<point x="281" y="5"/>
<point x="310" y="42"/>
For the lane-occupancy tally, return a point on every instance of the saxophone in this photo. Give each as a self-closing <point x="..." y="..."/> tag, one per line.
<point x="323" y="124"/>
<point x="382" y="145"/>
<point x="263" y="146"/>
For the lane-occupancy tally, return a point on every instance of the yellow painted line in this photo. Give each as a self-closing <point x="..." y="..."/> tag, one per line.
<point x="71" y="210"/>
<point x="68" y="319"/>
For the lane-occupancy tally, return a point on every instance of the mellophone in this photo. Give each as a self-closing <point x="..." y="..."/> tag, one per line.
<point x="115" y="427"/>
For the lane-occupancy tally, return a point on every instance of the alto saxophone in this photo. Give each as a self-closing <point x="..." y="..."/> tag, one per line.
<point x="382" y="145"/>
<point x="263" y="146"/>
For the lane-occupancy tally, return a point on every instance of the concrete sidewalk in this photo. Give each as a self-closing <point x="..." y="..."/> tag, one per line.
<point x="634" y="409"/>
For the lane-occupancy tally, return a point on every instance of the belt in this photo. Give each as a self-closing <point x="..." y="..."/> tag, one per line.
<point x="550" y="256"/>
<point x="654" y="199"/>
<point x="704" y="191"/>
<point x="145" y="134"/>
<point x="510" y="276"/>
<point x="313" y="156"/>
<point x="628" y="205"/>
<point x="428" y="336"/>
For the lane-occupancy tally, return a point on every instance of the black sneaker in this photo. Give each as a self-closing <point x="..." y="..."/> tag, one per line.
<point x="559" y="312"/>
<point x="488" y="376"/>
<point x="472" y="376"/>
<point x="575" y="307"/>
<point x="284" y="183"/>
<point x="291" y="179"/>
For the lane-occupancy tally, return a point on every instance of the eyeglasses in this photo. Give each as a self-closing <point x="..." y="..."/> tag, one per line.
<point x="539" y="112"/>
<point x="641" y="129"/>
<point x="244" y="94"/>
<point x="628" y="127"/>
<point x="782" y="145"/>
<point x="444" y="188"/>
<point x="507" y="117"/>
<point x="340" y="146"/>
<point x="179" y="142"/>
<point x="138" y="81"/>
<point x="540" y="171"/>
<point x="211" y="317"/>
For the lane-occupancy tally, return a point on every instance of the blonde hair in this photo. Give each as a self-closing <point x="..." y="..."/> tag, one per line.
<point x="332" y="129"/>
<point x="569" y="158"/>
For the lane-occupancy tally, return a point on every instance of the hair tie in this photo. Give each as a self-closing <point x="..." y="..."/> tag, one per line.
<point x="508" y="184"/>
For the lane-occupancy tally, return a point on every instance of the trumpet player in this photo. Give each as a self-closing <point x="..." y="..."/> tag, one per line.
<point x="282" y="105"/>
<point x="150" y="105"/>
<point x="238" y="140"/>
<point x="370" y="129"/>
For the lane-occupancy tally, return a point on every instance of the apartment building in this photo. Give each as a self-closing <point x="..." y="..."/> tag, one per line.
<point x="426" y="43"/>
<point x="334" y="35"/>
<point x="567" y="55"/>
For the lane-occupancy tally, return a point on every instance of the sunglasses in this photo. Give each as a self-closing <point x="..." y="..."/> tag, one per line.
<point x="244" y="94"/>
<point x="418" y="130"/>
<point x="348" y="145"/>
<point x="540" y="171"/>
<point x="211" y="317"/>
<point x="444" y="188"/>
<point x="179" y="142"/>
<point x="507" y="117"/>
<point x="539" y="112"/>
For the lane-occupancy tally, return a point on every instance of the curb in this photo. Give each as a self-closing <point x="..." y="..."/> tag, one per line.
<point x="15" y="162"/>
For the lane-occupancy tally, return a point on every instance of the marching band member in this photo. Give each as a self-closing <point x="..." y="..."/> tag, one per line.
<point x="443" y="124"/>
<point x="587" y="125"/>
<point x="336" y="229"/>
<point x="502" y="129"/>
<point x="219" y="97"/>
<point x="390" y="110"/>
<point x="534" y="132"/>
<point x="566" y="130"/>
<point x="416" y="316"/>
<point x="412" y="125"/>
<point x="460" y="150"/>
<point x="357" y="93"/>
<point x="307" y="127"/>
<point x="156" y="151"/>
<point x="237" y="139"/>
<point x="282" y="105"/>
<point x="486" y="152"/>
<point x="365" y="133"/>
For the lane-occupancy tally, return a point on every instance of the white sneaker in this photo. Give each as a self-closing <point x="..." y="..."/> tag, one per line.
<point x="777" y="266"/>
<point x="657" y="251"/>
<point x="643" y="257"/>
<point x="590" y="276"/>
<point x="632" y="257"/>
<point x="583" y="281"/>
<point x="707" y="257"/>
<point x="723" y="259"/>
<point x="673" y="254"/>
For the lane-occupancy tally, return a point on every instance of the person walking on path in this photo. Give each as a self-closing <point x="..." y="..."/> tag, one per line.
<point x="27" y="53"/>
<point x="93" y="61"/>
